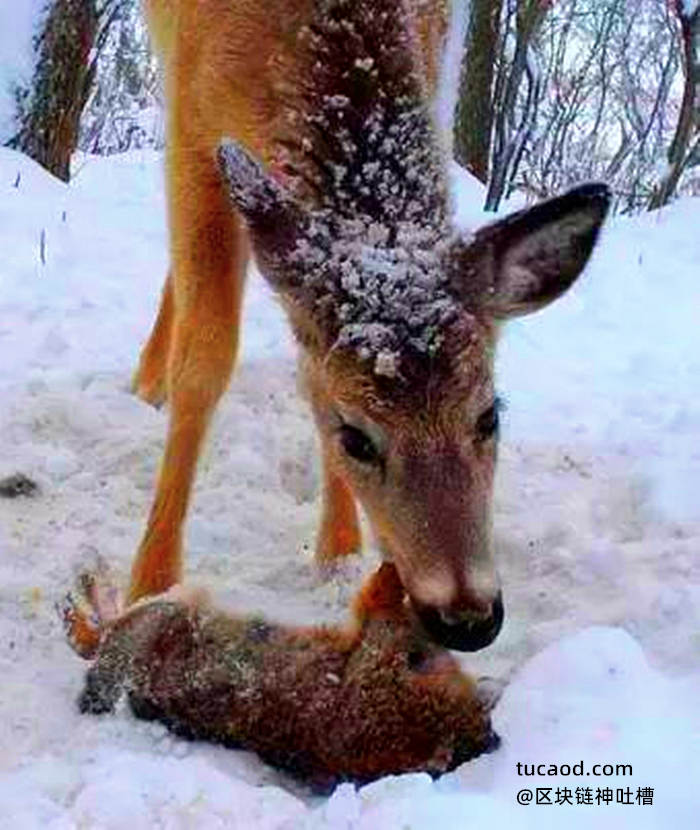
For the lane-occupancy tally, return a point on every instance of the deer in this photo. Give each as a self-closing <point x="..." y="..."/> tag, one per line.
<point x="246" y="682"/>
<point x="301" y="132"/>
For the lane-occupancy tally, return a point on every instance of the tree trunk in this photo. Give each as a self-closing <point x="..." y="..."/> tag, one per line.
<point x="49" y="112"/>
<point x="474" y="115"/>
<point x="688" y="126"/>
<point x="510" y="139"/>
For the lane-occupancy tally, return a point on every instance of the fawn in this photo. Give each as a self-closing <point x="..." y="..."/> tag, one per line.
<point x="403" y="702"/>
<point x="318" y="112"/>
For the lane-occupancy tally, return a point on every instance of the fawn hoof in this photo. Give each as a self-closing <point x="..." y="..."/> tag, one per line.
<point x="93" y="601"/>
<point x="489" y="691"/>
<point x="81" y="625"/>
<point x="92" y="702"/>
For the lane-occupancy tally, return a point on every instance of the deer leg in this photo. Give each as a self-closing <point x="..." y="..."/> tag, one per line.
<point x="209" y="257"/>
<point x="149" y="381"/>
<point x="339" y="534"/>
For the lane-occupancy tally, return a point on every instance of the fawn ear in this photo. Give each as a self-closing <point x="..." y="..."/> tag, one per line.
<point x="381" y="597"/>
<point x="525" y="261"/>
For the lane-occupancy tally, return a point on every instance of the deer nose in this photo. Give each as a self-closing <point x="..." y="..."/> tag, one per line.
<point x="462" y="630"/>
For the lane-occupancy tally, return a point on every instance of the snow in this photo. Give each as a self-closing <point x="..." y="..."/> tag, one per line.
<point x="597" y="527"/>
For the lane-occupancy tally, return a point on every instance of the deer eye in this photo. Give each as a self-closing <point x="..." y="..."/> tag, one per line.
<point x="488" y="422"/>
<point x="358" y="445"/>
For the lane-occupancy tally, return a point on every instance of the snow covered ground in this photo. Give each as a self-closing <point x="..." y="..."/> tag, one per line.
<point x="597" y="526"/>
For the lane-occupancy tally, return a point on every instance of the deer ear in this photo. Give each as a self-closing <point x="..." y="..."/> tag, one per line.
<point x="281" y="236"/>
<point x="259" y="198"/>
<point x="527" y="260"/>
<point x="275" y="220"/>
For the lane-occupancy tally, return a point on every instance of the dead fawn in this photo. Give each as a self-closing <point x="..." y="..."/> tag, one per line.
<point x="337" y="181"/>
<point x="326" y="704"/>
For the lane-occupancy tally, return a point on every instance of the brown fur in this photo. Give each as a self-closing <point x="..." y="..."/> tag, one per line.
<point x="327" y="704"/>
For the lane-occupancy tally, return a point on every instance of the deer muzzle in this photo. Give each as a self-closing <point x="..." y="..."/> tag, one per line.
<point x="440" y="540"/>
<point x="462" y="629"/>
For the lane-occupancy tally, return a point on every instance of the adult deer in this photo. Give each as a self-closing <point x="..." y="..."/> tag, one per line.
<point x="337" y="179"/>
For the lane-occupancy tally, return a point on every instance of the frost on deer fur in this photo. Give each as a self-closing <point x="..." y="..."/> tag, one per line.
<point x="387" y="299"/>
<point x="358" y="144"/>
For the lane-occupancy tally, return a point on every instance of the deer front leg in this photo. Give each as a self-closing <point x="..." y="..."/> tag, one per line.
<point x="209" y="256"/>
<point x="149" y="381"/>
<point x="339" y="533"/>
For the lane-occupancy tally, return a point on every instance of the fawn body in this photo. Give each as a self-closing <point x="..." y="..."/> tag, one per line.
<point x="403" y="702"/>
<point x="335" y="179"/>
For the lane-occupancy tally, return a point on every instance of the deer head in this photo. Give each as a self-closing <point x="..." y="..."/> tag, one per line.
<point x="397" y="314"/>
<point x="399" y="329"/>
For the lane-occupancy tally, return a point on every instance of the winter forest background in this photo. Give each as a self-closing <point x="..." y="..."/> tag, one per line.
<point x="552" y="92"/>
